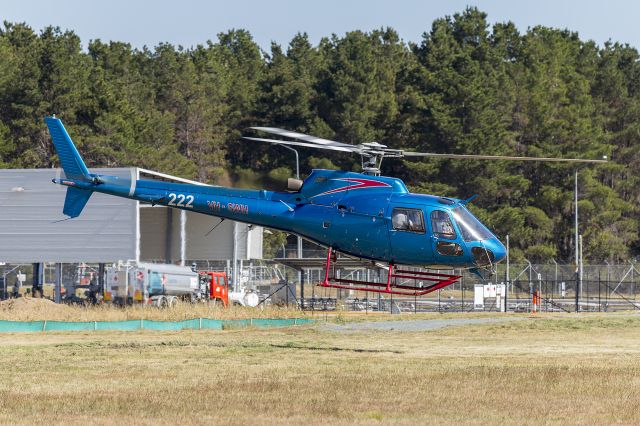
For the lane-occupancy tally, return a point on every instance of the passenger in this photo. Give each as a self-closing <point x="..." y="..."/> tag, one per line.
<point x="400" y="221"/>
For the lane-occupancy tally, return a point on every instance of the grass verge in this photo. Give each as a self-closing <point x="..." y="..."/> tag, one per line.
<point x="556" y="371"/>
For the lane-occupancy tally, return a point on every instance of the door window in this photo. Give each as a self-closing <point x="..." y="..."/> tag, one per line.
<point x="441" y="225"/>
<point x="410" y="220"/>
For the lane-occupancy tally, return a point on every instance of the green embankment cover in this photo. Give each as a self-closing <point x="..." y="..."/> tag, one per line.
<point x="130" y="325"/>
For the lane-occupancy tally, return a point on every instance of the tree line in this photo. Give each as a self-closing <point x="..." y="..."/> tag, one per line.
<point x="466" y="87"/>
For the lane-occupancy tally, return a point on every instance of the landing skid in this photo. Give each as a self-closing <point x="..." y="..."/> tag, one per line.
<point x="423" y="282"/>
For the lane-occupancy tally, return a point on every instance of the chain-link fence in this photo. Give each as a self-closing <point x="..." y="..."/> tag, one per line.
<point x="601" y="288"/>
<point x="79" y="281"/>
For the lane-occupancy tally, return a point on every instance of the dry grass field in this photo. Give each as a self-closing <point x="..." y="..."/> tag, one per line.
<point x="556" y="370"/>
<point x="32" y="309"/>
<point x="29" y="309"/>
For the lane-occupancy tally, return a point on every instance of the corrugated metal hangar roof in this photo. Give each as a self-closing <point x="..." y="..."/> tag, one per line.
<point x="33" y="228"/>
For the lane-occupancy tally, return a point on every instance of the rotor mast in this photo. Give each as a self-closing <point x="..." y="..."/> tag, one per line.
<point x="375" y="152"/>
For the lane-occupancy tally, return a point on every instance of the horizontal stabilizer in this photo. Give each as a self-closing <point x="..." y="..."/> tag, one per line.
<point x="75" y="201"/>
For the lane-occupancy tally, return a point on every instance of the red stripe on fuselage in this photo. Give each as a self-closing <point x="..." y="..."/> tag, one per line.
<point x="359" y="184"/>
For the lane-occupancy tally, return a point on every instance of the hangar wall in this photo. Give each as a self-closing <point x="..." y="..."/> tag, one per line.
<point x="33" y="229"/>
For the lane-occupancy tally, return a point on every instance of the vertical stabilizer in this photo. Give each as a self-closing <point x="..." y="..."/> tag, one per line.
<point x="70" y="159"/>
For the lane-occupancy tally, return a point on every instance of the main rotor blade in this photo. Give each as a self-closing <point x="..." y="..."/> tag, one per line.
<point x="499" y="157"/>
<point x="308" y="145"/>
<point x="300" y="136"/>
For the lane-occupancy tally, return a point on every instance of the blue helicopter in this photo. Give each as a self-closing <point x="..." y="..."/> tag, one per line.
<point x="362" y="215"/>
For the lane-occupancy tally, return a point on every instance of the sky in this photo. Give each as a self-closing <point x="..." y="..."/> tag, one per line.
<point x="192" y="22"/>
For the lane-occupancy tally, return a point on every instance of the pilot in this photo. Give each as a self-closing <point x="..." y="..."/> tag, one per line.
<point x="446" y="228"/>
<point x="443" y="224"/>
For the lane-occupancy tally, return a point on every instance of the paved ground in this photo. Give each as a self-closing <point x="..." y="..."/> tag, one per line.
<point x="416" y="325"/>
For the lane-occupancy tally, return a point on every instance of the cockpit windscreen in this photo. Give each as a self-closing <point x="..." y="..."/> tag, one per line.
<point x="470" y="227"/>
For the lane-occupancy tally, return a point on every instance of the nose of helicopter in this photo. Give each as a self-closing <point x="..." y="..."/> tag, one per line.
<point x="497" y="248"/>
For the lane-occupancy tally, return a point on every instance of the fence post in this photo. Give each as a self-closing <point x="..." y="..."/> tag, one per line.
<point x="462" y="288"/>
<point x="599" y="302"/>
<point x="141" y="324"/>
<point x="506" y="292"/>
<point x="607" y="288"/>
<point x="587" y="290"/>
<point x="44" y="326"/>
<point x="95" y="325"/>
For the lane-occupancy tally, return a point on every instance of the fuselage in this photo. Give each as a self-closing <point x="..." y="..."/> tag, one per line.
<point x="372" y="217"/>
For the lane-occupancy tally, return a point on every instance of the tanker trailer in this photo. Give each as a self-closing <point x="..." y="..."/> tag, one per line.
<point x="152" y="284"/>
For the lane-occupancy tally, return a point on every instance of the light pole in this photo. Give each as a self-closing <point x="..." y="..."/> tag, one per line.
<point x="299" y="238"/>
<point x="299" y="251"/>
<point x="577" y="237"/>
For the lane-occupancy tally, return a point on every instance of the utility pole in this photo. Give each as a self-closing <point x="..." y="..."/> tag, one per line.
<point x="576" y="243"/>
<point x="506" y="290"/>
<point x="235" y="275"/>
<point x="581" y="270"/>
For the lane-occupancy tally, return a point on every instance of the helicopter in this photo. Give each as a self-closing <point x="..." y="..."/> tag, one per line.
<point x="361" y="215"/>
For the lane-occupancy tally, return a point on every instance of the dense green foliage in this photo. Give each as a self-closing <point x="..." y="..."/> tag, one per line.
<point x="465" y="88"/>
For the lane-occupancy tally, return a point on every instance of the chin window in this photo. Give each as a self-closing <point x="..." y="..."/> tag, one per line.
<point x="482" y="256"/>
<point x="447" y="248"/>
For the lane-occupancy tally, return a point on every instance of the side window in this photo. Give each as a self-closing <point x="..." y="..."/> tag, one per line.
<point x="155" y="281"/>
<point x="407" y="220"/>
<point x="441" y="225"/>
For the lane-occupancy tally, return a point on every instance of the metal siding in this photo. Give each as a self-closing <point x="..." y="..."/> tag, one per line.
<point x="243" y="229"/>
<point x="153" y="233"/>
<point x="256" y="242"/>
<point x="105" y="232"/>
<point x="175" y="235"/>
<point x="218" y="245"/>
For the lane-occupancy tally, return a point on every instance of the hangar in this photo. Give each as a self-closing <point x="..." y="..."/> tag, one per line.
<point x="34" y="230"/>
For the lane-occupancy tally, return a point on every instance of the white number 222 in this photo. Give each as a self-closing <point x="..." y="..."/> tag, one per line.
<point x="181" y="199"/>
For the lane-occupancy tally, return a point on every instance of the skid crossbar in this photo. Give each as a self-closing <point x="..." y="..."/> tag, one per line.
<point x="434" y="281"/>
